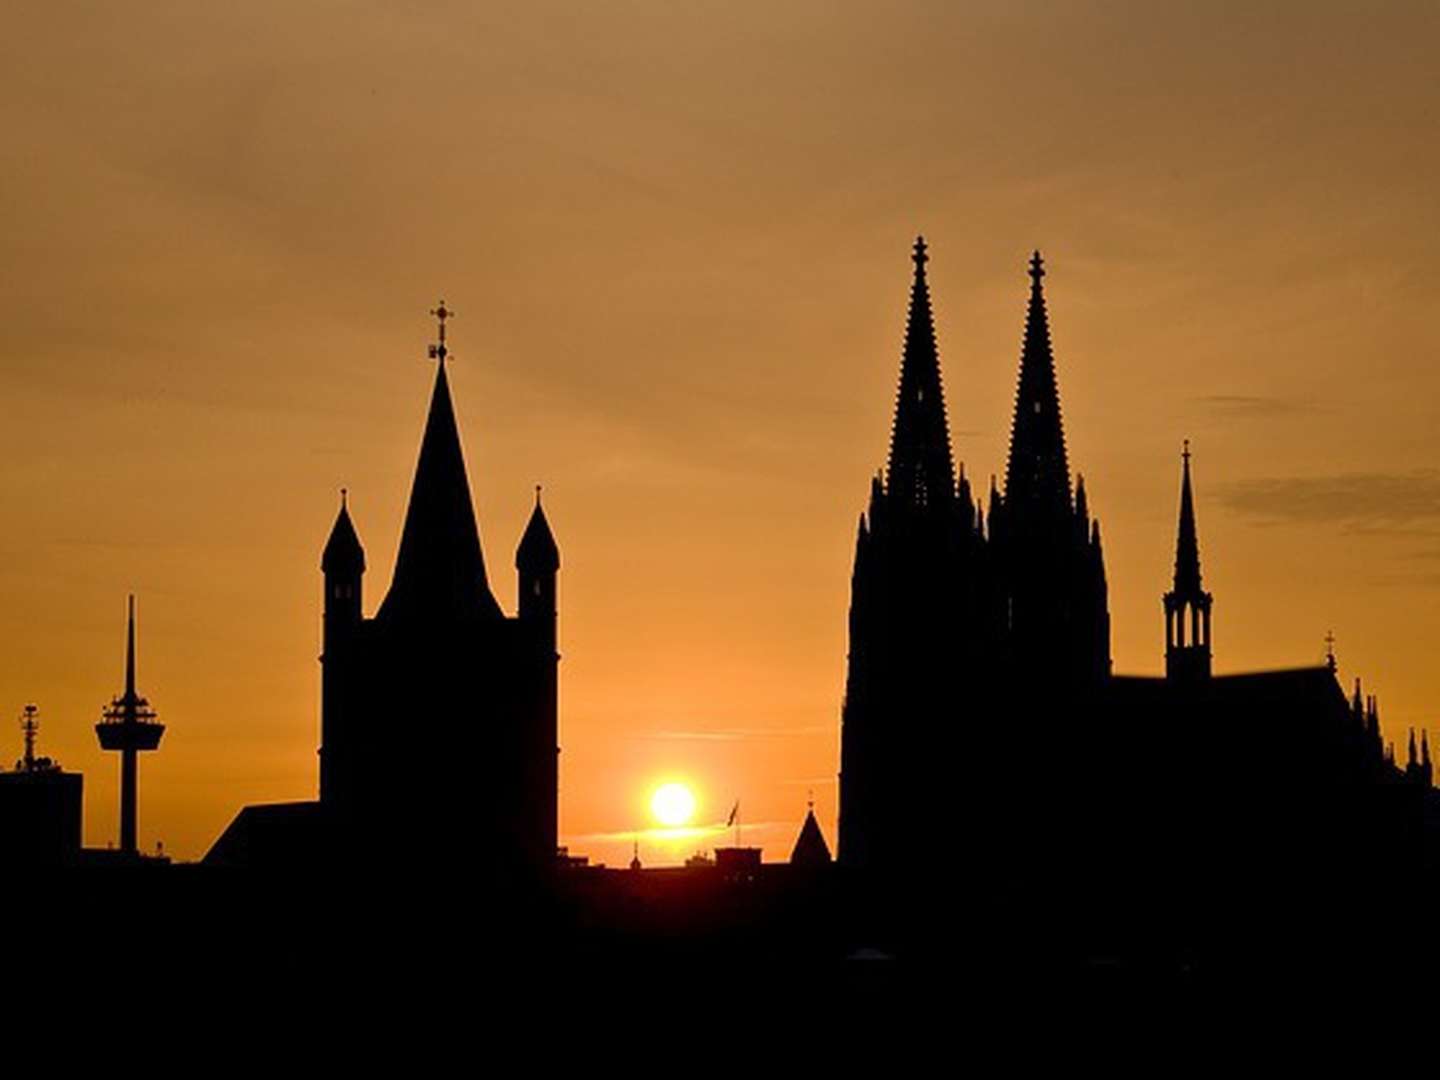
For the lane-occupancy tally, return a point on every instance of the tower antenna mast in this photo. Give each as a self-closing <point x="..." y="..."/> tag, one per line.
<point x="30" y="725"/>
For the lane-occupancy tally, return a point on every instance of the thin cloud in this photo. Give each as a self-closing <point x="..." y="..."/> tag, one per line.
<point x="735" y="734"/>
<point x="1252" y="406"/>
<point x="1369" y="502"/>
<point x="687" y="832"/>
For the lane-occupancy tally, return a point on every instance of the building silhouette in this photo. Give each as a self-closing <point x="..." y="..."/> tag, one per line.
<point x="952" y="605"/>
<point x="980" y="684"/>
<point x="40" y="807"/>
<point x="438" y="655"/>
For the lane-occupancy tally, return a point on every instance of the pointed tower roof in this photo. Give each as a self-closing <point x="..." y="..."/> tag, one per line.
<point x="440" y="570"/>
<point x="921" y="471"/>
<point x="343" y="553"/>
<point x="1187" y="543"/>
<point x="1037" y="476"/>
<point x="810" y="847"/>
<point x="538" y="553"/>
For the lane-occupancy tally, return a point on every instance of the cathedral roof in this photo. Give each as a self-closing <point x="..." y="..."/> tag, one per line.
<point x="810" y="846"/>
<point x="440" y="569"/>
<point x="538" y="553"/>
<point x="921" y="471"/>
<point x="343" y="553"/>
<point x="1037" y="476"/>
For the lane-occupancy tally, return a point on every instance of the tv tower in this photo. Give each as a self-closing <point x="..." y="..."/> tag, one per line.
<point x="128" y="724"/>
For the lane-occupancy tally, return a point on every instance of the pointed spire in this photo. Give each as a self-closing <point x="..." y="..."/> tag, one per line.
<point x="1037" y="476"/>
<point x="343" y="553"/>
<point x="921" y="471"/>
<point x="130" y="652"/>
<point x="1410" y="755"/>
<point x="440" y="570"/>
<point x="538" y="553"/>
<point x="810" y="846"/>
<point x="1187" y="544"/>
<point x="1424" y="750"/>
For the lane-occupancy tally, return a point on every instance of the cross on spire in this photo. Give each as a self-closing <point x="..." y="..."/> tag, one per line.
<point x="438" y="351"/>
<point x="919" y="256"/>
<point x="1037" y="267"/>
<point x="1330" y="649"/>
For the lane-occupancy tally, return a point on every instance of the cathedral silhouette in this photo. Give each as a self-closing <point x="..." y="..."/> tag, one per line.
<point x="979" y="693"/>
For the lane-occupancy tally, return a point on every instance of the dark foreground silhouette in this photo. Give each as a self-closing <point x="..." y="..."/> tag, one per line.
<point x="1012" y="813"/>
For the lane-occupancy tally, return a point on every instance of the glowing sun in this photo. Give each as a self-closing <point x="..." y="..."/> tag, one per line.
<point x="673" y="805"/>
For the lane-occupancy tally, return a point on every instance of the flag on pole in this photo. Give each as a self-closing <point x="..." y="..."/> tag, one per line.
<point x="734" y="813"/>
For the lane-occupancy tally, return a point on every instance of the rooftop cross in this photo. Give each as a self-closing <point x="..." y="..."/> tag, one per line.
<point x="438" y="351"/>
<point x="1037" y="267"/>
<point x="919" y="256"/>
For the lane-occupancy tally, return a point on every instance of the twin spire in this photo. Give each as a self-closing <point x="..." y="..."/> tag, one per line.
<point x="921" y="471"/>
<point x="1037" y="476"/>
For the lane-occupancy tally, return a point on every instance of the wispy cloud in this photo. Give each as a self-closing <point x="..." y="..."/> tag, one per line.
<point x="1253" y="406"/>
<point x="1373" y="502"/>
<point x="736" y="734"/>
<point x="687" y="832"/>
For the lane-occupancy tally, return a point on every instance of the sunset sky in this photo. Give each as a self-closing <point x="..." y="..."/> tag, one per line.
<point x="677" y="236"/>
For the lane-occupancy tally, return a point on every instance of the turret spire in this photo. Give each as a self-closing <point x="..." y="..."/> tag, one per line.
<point x="921" y="470"/>
<point x="1037" y="477"/>
<point x="1187" y="605"/>
<point x="1187" y="544"/>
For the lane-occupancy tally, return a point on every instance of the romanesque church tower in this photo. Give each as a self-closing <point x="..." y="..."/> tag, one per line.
<point x="439" y="733"/>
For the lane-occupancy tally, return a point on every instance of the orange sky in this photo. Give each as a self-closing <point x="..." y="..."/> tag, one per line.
<point x="677" y="236"/>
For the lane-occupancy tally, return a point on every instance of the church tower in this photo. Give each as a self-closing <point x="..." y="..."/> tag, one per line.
<point x="913" y="639"/>
<point x="1055" y="605"/>
<point x="440" y="657"/>
<point x="1187" y="605"/>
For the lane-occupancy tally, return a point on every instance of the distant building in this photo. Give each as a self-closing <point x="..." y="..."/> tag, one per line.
<point x="40" y="807"/>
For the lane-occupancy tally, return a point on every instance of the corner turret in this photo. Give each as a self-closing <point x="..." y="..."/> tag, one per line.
<point x="343" y="564"/>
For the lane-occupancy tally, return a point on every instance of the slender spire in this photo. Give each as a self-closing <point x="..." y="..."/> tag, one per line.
<point x="130" y="651"/>
<point x="440" y="569"/>
<point x="921" y="471"/>
<point x="1037" y="476"/>
<point x="1410" y="756"/>
<point x="1187" y="544"/>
